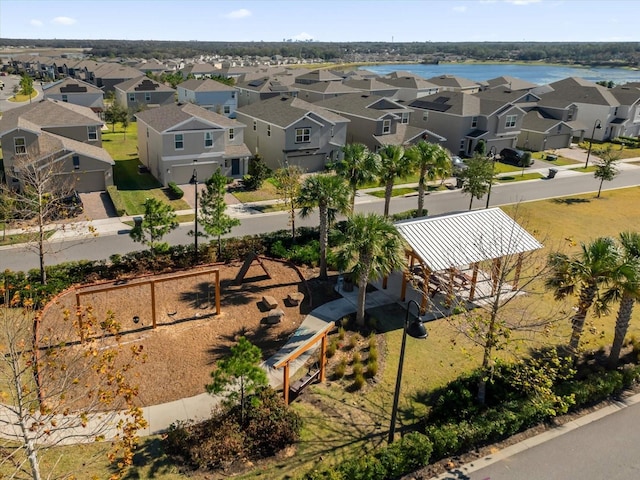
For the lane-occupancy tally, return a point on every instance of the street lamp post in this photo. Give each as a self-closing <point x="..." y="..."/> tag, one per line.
<point x="492" y="156"/>
<point x="415" y="329"/>
<point x="596" y="125"/>
<point x="194" y="181"/>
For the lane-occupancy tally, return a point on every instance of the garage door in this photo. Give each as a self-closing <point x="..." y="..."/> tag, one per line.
<point x="89" y="181"/>
<point x="181" y="174"/>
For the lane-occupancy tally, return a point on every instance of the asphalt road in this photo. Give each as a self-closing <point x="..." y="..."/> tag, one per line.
<point x="101" y="247"/>
<point x="604" y="449"/>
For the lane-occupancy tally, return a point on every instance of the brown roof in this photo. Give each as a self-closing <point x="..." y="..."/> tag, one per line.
<point x="283" y="111"/>
<point x="205" y="85"/>
<point x="48" y="113"/>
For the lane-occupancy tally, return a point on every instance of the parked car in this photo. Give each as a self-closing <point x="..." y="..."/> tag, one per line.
<point x="457" y="165"/>
<point x="516" y="157"/>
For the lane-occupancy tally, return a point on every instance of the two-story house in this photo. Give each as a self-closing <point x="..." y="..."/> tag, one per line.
<point x="77" y="92"/>
<point x="174" y="140"/>
<point x="53" y="131"/>
<point x="627" y="117"/>
<point x="141" y="93"/>
<point x="453" y="83"/>
<point x="583" y="105"/>
<point x="465" y="119"/>
<point x="377" y="121"/>
<point x="289" y="131"/>
<point x="410" y="87"/>
<point x="108" y="75"/>
<point x="263" y="88"/>
<point x="209" y="94"/>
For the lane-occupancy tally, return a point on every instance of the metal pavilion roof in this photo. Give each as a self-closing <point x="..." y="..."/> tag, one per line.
<point x="464" y="238"/>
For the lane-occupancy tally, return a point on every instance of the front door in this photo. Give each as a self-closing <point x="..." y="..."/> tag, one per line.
<point x="235" y="166"/>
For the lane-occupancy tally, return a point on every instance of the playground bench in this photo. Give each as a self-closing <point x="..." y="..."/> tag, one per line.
<point x="295" y="298"/>
<point x="299" y="385"/>
<point x="275" y="316"/>
<point x="269" y="302"/>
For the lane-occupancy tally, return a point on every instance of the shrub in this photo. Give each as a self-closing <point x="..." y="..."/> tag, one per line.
<point x="409" y="454"/>
<point x="340" y="369"/>
<point x="372" y="368"/>
<point x="175" y="192"/>
<point x="116" y="199"/>
<point x="364" y="467"/>
<point x="357" y="369"/>
<point x="332" y="347"/>
<point x="356" y="358"/>
<point x="341" y="333"/>
<point x="359" y="380"/>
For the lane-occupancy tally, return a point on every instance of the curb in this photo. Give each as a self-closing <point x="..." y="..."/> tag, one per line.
<point x="524" y="445"/>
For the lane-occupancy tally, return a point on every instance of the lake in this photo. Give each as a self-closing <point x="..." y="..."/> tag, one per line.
<point x="538" y="74"/>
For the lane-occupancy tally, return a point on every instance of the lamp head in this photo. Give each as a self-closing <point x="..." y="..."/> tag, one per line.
<point x="598" y="125"/>
<point x="416" y="328"/>
<point x="194" y="177"/>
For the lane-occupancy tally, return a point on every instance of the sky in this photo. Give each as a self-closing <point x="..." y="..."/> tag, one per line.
<point x="324" y="20"/>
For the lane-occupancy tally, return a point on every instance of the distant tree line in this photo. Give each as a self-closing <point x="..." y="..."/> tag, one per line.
<point x="585" y="53"/>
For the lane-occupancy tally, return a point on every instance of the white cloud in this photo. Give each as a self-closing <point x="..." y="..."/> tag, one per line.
<point x="36" y="23"/>
<point x="64" y="20"/>
<point x="522" y="2"/>
<point x="242" y="13"/>
<point x="460" y="9"/>
<point x="303" y="36"/>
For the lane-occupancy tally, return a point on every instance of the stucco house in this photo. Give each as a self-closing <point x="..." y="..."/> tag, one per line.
<point x="56" y="131"/>
<point x="209" y="94"/>
<point x="453" y="83"/>
<point x="377" y="121"/>
<point x="174" y="140"/>
<point x="263" y="88"/>
<point x="76" y="92"/>
<point x="290" y="131"/>
<point x="465" y="119"/>
<point x="141" y="93"/>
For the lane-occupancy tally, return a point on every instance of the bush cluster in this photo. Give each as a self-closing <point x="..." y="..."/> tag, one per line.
<point x="631" y="142"/>
<point x="269" y="427"/>
<point x="175" y="192"/>
<point x="407" y="455"/>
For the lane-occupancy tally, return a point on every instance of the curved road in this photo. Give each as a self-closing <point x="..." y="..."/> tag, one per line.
<point x="101" y="247"/>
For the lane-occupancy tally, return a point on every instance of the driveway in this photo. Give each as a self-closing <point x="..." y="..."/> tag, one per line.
<point x="98" y="205"/>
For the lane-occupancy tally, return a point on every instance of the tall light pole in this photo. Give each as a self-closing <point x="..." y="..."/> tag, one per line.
<point x="416" y="330"/>
<point x="194" y="181"/>
<point x="596" y="125"/>
<point x="492" y="156"/>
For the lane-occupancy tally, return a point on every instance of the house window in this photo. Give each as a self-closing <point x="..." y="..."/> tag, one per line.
<point x="132" y="97"/>
<point x="511" y="121"/>
<point x="268" y="130"/>
<point x="303" y="135"/>
<point x="255" y="125"/>
<point x="208" y="139"/>
<point x="386" y="126"/>
<point x="462" y="144"/>
<point x="332" y="130"/>
<point x="231" y="134"/>
<point x="227" y="109"/>
<point x="20" y="145"/>
<point x="425" y="116"/>
<point x="474" y="122"/>
<point x="92" y="132"/>
<point x="147" y="97"/>
<point x="570" y="115"/>
<point x="233" y="94"/>
<point x="76" y="162"/>
<point x="405" y="117"/>
<point x="65" y="98"/>
<point x="178" y="140"/>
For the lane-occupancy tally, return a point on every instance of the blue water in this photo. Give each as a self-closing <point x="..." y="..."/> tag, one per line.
<point x="539" y="74"/>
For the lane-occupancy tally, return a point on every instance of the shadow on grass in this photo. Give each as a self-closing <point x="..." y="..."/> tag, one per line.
<point x="151" y="457"/>
<point x="127" y="176"/>
<point x="570" y="201"/>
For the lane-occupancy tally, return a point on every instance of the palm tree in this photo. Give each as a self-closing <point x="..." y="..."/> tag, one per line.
<point x="584" y="274"/>
<point x="358" y="166"/>
<point x="330" y="194"/>
<point x="370" y="247"/>
<point x="393" y="164"/>
<point x="627" y="290"/>
<point x="432" y="161"/>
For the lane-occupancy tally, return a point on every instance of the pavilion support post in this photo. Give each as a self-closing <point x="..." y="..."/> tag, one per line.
<point x="517" y="272"/>
<point x="385" y="279"/>
<point x="474" y="281"/>
<point x="323" y="358"/>
<point x="425" y="290"/>
<point x="403" y="287"/>
<point x="495" y="275"/>
<point x="285" y="383"/>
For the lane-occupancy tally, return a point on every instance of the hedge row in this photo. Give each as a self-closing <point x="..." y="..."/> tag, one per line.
<point x="117" y="200"/>
<point x="175" y="192"/>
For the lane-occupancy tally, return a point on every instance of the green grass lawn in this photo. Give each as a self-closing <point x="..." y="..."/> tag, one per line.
<point x="268" y="191"/>
<point x="589" y="169"/>
<point x="134" y="187"/>
<point x="518" y="177"/>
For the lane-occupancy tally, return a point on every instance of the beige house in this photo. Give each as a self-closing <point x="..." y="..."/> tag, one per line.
<point x="176" y="140"/>
<point x="53" y="131"/>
